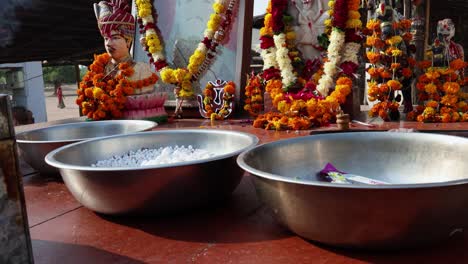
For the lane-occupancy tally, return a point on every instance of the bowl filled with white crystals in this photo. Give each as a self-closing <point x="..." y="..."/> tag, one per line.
<point x="35" y="144"/>
<point x="153" y="172"/>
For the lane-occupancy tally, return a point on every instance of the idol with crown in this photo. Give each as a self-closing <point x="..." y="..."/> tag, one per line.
<point x="116" y="86"/>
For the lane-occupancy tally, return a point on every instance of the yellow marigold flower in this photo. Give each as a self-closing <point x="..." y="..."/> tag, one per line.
<point x="291" y="35"/>
<point x="353" y="14"/>
<point x="214" y="22"/>
<point x="353" y="23"/>
<point x="266" y="31"/>
<point x="330" y="12"/>
<point x="185" y="93"/>
<point x="430" y="88"/>
<point x="144" y="12"/>
<point x="397" y="53"/>
<point x="395" y="40"/>
<point x="283" y="106"/>
<point x="97" y="92"/>
<point x="331" y="4"/>
<point x="373" y="24"/>
<point x="219" y="8"/>
<point x="179" y="75"/>
<point x="328" y="22"/>
<point x="167" y="75"/>
<point x="429" y="111"/>
<point x="268" y="21"/>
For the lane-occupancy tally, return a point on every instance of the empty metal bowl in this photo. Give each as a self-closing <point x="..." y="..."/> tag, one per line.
<point x="35" y="144"/>
<point x="426" y="201"/>
<point x="156" y="188"/>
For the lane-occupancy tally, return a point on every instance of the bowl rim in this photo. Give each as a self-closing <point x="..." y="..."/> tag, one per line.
<point x="150" y="125"/>
<point x="275" y="177"/>
<point x="49" y="158"/>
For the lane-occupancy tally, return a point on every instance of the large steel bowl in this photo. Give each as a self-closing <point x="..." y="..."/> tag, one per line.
<point x="426" y="202"/>
<point x="156" y="188"/>
<point x="35" y="144"/>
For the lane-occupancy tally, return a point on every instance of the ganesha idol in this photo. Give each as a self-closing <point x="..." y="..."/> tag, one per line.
<point x="115" y="85"/>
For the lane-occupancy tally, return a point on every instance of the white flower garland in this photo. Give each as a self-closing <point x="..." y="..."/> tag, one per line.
<point x="337" y="40"/>
<point x="269" y="58"/>
<point x="284" y="62"/>
<point x="351" y="51"/>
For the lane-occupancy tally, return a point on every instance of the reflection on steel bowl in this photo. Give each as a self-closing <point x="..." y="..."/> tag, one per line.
<point x="426" y="201"/>
<point x="154" y="188"/>
<point x="35" y="144"/>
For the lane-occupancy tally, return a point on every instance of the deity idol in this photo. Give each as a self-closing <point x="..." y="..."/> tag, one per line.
<point x="311" y="17"/>
<point x="116" y="86"/>
<point x="445" y="33"/>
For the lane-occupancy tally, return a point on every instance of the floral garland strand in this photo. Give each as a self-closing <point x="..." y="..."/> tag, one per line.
<point x="218" y="27"/>
<point x="440" y="89"/>
<point x="253" y="94"/>
<point x="104" y="97"/>
<point x="389" y="68"/>
<point x="297" y="112"/>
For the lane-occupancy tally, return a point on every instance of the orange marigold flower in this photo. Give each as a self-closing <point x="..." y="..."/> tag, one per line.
<point x="451" y="87"/>
<point x="432" y="74"/>
<point x="407" y="72"/>
<point x="457" y="64"/>
<point x="230" y="88"/>
<point x="344" y="81"/>
<point x="430" y="88"/>
<point x="425" y="64"/>
<point x="455" y="117"/>
<point x="465" y="117"/>
<point x="446" y="118"/>
<point x="385" y="74"/>
<point x="373" y="57"/>
<point x="394" y="84"/>
<point x="395" y="66"/>
<point x="373" y="72"/>
<point x="432" y="104"/>
<point x="405" y="24"/>
<point x="373" y="24"/>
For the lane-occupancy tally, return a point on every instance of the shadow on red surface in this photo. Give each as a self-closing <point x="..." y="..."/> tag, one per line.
<point x="50" y="252"/>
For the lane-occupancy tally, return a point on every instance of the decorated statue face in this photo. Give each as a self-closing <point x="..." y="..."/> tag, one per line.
<point x="445" y="29"/>
<point x="117" y="46"/>
<point x="117" y="27"/>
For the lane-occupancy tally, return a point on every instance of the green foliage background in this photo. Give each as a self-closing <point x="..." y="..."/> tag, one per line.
<point x="65" y="74"/>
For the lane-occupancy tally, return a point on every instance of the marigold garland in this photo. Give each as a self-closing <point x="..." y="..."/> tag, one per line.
<point x="103" y="97"/>
<point x="306" y="108"/>
<point x="217" y="28"/>
<point x="439" y="89"/>
<point x="390" y="65"/>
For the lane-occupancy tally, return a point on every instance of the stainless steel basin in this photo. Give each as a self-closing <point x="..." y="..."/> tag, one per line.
<point x="35" y="144"/>
<point x="426" y="202"/>
<point x="156" y="188"/>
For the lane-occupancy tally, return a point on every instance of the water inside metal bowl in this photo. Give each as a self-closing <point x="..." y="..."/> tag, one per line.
<point x="426" y="201"/>
<point x="156" y="188"/>
<point x="35" y="144"/>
